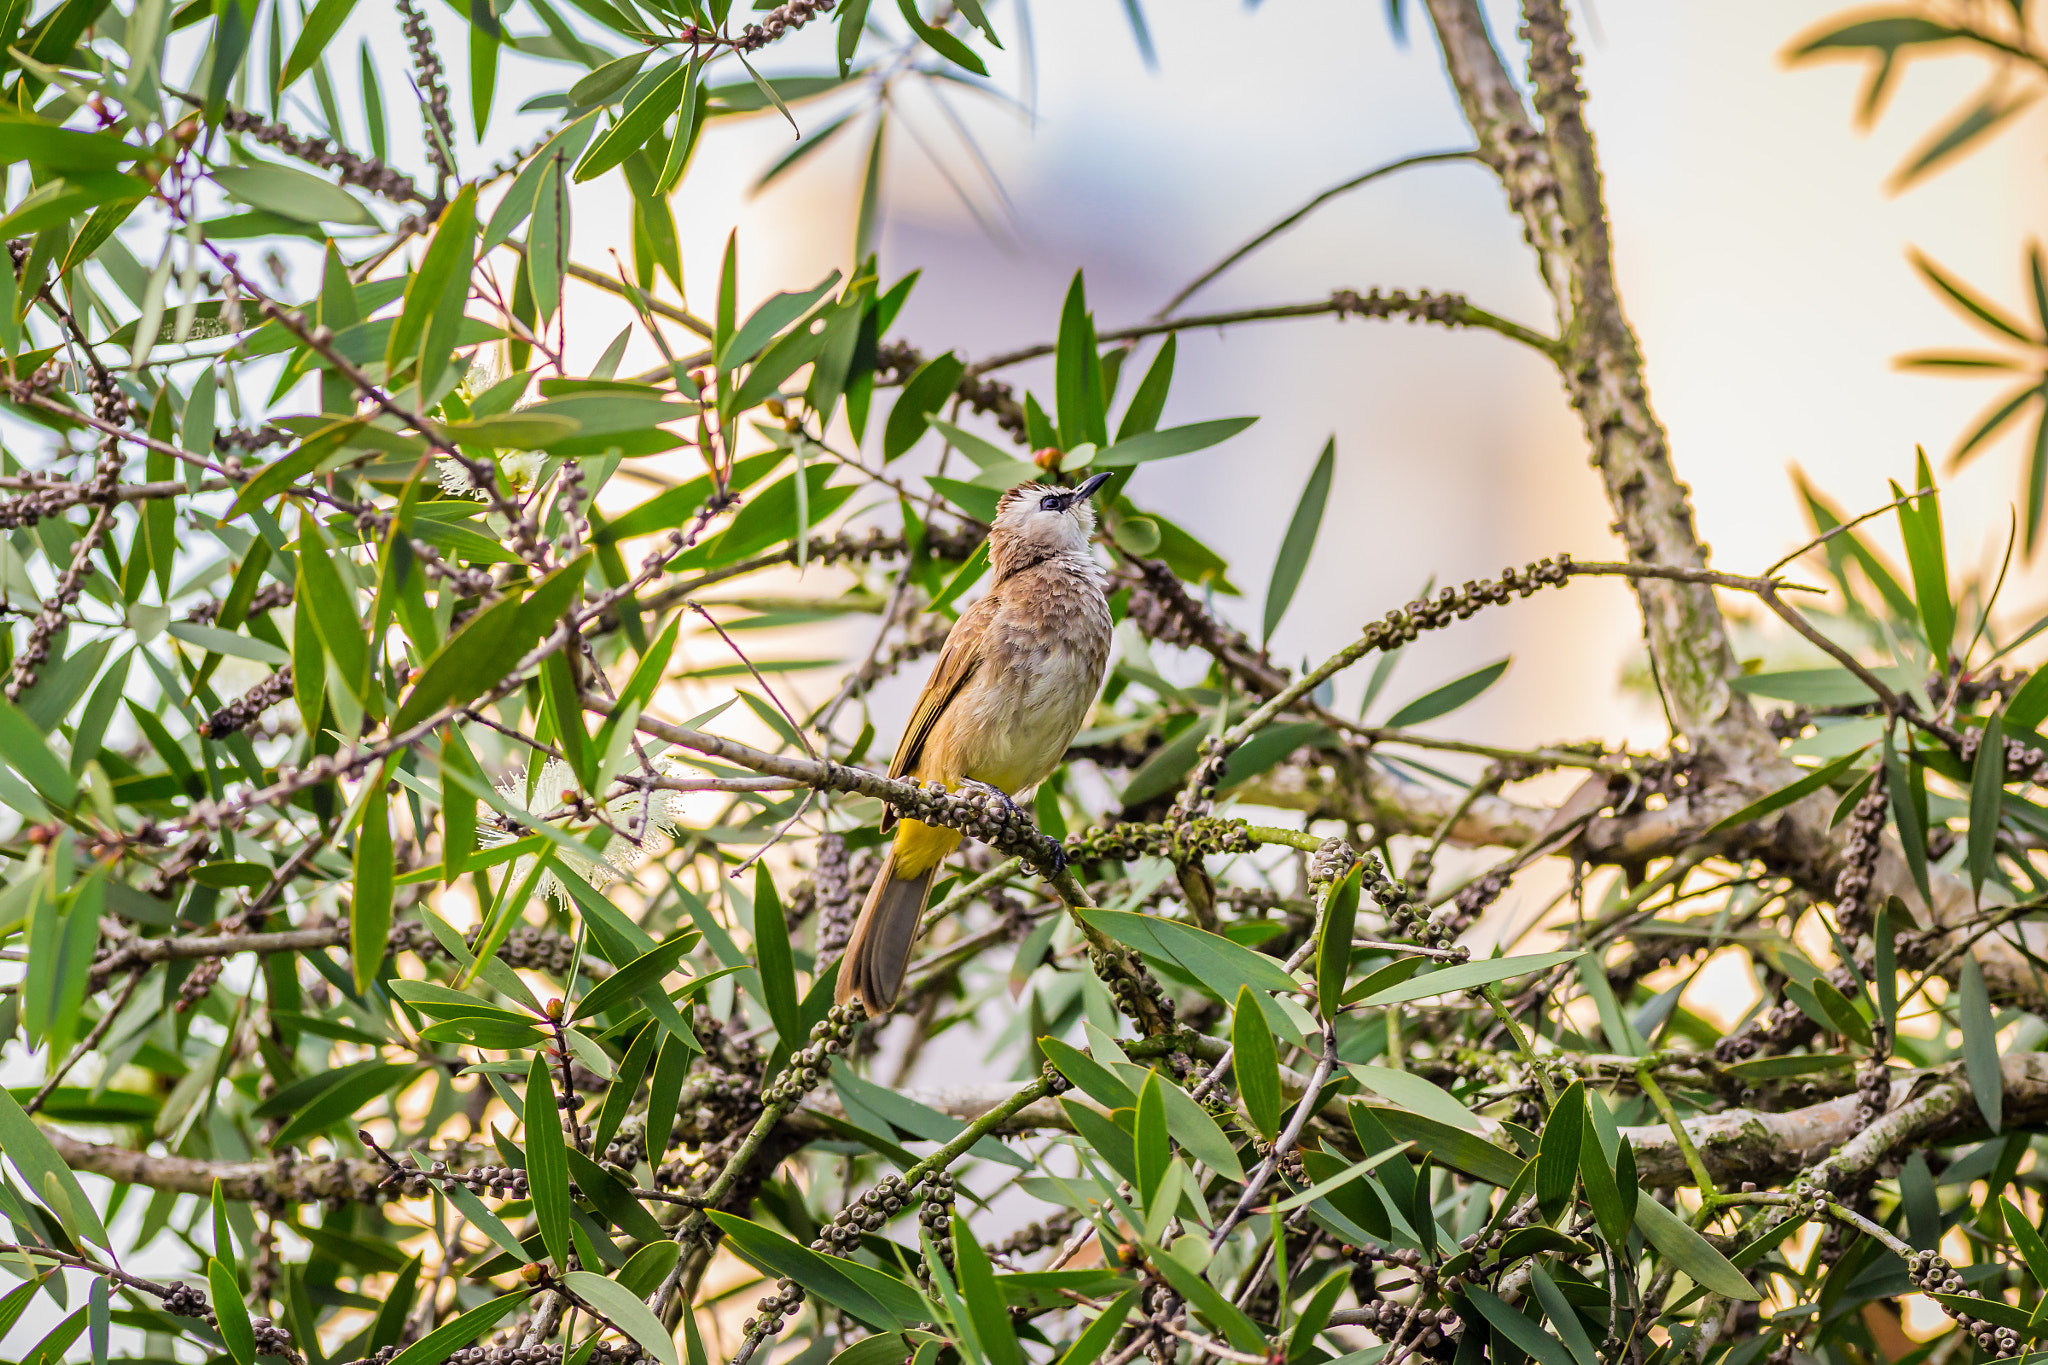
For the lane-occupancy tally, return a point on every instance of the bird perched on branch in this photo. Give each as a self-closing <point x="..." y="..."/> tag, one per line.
<point x="1012" y="686"/>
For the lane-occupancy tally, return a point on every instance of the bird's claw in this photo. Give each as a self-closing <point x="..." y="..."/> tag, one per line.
<point x="999" y="794"/>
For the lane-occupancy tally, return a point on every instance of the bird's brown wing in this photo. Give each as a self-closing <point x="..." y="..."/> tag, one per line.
<point x="958" y="660"/>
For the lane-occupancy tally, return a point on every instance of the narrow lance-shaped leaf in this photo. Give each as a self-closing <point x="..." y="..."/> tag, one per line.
<point x="1333" y="941"/>
<point x="1452" y="695"/>
<point x="1154" y="1148"/>
<point x="1980" y="1042"/>
<point x="1987" y="796"/>
<point x="1255" y="1064"/>
<point x="1906" y="814"/>
<point x="623" y="1307"/>
<point x="1613" y="1204"/>
<point x="370" y="913"/>
<point x="230" y="1314"/>
<point x="547" y="1162"/>
<point x="1885" y="963"/>
<point x="993" y="1329"/>
<point x="1920" y="528"/>
<point x="1557" y="1156"/>
<point x="1300" y="540"/>
<point x="778" y="970"/>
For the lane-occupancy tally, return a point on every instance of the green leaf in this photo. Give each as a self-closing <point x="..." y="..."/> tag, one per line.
<point x="437" y="1345"/>
<point x="635" y="978"/>
<point x="478" y="655"/>
<point x="2029" y="706"/>
<point x="295" y="194"/>
<point x="37" y="1161"/>
<point x="1614" y="1204"/>
<point x="1417" y="1094"/>
<point x="624" y="1308"/>
<point x="547" y="1161"/>
<point x="1342" y="1178"/>
<point x="1557" y="1157"/>
<point x="1790" y="792"/>
<point x="369" y="922"/>
<point x="1449" y="697"/>
<point x="1300" y="540"/>
<point x="916" y="1119"/>
<point x="1972" y="123"/>
<point x="1142" y="416"/>
<point x="1984" y="312"/>
<point x="882" y="1302"/>
<point x="1562" y="1315"/>
<point x="1885" y="964"/>
<point x="1255" y="1064"/>
<point x="993" y="1330"/>
<point x="1093" y="1079"/>
<point x="1468" y="1152"/>
<point x="777" y="968"/>
<point x="1689" y="1252"/>
<point x="1906" y="815"/>
<point x="1164" y="445"/>
<point x="332" y="609"/>
<point x="435" y="297"/>
<point x="28" y="753"/>
<point x="1150" y="1143"/>
<point x="1980" y="1042"/>
<point x="563" y="702"/>
<point x="1466" y="975"/>
<point x="1848" y="1021"/>
<point x="927" y="391"/>
<point x="1987" y="796"/>
<point x="770" y="516"/>
<point x="1207" y="1300"/>
<point x="1510" y="1323"/>
<point x="339" y="1101"/>
<point x="24" y="137"/>
<point x="230" y="1314"/>
<point x="1333" y="941"/>
<point x="2025" y="1237"/>
<point x="655" y="96"/>
<point x="1383" y="977"/>
<point x="1222" y="967"/>
<point x="1920" y="528"/>
<point x="1885" y="34"/>
<point x="1077" y="370"/>
<point x="320" y="27"/>
<point x="940" y="41"/>
<point x="1089" y="1346"/>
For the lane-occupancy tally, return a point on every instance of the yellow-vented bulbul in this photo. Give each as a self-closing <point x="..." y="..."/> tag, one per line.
<point x="1012" y="686"/>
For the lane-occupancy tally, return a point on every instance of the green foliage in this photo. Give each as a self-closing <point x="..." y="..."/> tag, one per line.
<point x="365" y="871"/>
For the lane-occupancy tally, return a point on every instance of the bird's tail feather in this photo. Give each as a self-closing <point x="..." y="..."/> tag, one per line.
<point x="878" y="953"/>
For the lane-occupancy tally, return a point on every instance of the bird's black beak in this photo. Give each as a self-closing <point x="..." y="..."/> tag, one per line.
<point x="1087" y="489"/>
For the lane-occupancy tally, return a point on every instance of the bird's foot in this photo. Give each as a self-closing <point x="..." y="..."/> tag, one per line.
<point x="970" y="784"/>
<point x="1056" y="855"/>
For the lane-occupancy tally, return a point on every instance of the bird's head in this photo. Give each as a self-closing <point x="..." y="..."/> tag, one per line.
<point x="1036" y="521"/>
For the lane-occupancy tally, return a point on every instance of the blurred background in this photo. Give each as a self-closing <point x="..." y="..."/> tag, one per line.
<point x="1760" y="255"/>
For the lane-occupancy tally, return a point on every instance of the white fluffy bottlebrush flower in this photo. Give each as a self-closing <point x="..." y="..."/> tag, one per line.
<point x="518" y="470"/>
<point x="621" y="854"/>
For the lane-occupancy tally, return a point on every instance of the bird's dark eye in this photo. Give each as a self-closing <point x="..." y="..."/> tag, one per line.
<point x="1049" y="503"/>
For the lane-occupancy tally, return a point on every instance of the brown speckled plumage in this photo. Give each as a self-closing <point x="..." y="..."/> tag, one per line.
<point x="1013" y="685"/>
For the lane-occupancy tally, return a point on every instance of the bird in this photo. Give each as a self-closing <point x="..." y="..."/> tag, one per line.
<point x="1012" y="686"/>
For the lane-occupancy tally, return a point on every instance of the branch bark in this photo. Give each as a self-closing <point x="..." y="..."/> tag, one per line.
<point x="1546" y="161"/>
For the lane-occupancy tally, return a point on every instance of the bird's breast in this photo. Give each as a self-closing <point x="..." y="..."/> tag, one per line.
<point x="1039" y="674"/>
